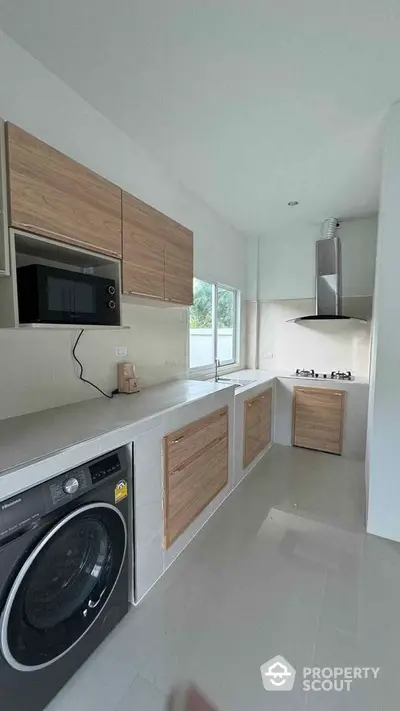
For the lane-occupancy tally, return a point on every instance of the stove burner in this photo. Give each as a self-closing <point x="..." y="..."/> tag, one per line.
<point x="334" y="375"/>
<point x="339" y="375"/>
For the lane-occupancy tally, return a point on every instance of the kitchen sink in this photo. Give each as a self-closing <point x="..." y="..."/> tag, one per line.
<point x="237" y="382"/>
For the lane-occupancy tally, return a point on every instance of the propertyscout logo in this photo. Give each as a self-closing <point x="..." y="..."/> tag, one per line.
<point x="279" y="675"/>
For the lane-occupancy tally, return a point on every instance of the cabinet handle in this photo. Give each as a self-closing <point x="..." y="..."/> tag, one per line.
<point x="175" y="441"/>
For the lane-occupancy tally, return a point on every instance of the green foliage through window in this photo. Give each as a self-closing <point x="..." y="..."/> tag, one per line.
<point x="201" y="311"/>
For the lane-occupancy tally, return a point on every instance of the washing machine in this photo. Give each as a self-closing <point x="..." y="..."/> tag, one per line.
<point x="64" y="577"/>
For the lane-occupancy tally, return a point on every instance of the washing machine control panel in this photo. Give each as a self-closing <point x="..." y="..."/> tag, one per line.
<point x="68" y="485"/>
<point x="105" y="467"/>
<point x="24" y="510"/>
<point x="71" y="485"/>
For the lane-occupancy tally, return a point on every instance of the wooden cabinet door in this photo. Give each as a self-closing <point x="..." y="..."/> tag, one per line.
<point x="265" y="405"/>
<point x="53" y="196"/>
<point x="257" y="425"/>
<point x="143" y="247"/>
<point x="195" y="471"/>
<point x="179" y="264"/>
<point x="318" y="419"/>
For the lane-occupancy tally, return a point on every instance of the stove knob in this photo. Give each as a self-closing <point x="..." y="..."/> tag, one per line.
<point x="111" y="290"/>
<point x="71" y="486"/>
<point x="111" y="304"/>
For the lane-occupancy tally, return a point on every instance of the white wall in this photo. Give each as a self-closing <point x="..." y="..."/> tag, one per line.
<point x="383" y="469"/>
<point x="42" y="104"/>
<point x="322" y="345"/>
<point x="39" y="102"/>
<point x="37" y="370"/>
<point x="284" y="283"/>
<point x="287" y="261"/>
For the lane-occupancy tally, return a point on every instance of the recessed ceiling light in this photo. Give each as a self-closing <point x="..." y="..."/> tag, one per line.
<point x="293" y="203"/>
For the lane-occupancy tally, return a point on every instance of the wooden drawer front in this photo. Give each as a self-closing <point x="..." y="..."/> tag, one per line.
<point x="257" y="426"/>
<point x="265" y="418"/>
<point x="191" y="439"/>
<point x="252" y="445"/>
<point x="318" y="419"/>
<point x="179" y="264"/>
<point x="53" y="196"/>
<point x="143" y="243"/>
<point x="193" y="486"/>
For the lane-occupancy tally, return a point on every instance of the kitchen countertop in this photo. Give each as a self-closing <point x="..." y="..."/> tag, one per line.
<point x="39" y="435"/>
<point x="45" y="443"/>
<point x="258" y="376"/>
<point x="262" y="376"/>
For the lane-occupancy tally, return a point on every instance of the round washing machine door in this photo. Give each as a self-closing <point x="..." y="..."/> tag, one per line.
<point x="63" y="586"/>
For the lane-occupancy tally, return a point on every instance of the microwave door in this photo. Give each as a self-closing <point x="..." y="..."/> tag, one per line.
<point x="85" y="305"/>
<point x="60" y="299"/>
<point x="51" y="295"/>
<point x="70" y="299"/>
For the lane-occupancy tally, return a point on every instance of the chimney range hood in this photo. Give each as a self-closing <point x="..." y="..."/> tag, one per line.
<point x="328" y="282"/>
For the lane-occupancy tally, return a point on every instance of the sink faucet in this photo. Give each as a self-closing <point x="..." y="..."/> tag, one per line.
<point x="217" y="365"/>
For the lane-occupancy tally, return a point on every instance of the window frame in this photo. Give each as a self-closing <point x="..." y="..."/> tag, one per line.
<point x="235" y="360"/>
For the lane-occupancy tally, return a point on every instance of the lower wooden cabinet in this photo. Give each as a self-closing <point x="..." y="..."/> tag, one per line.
<point x="195" y="470"/>
<point x="257" y="425"/>
<point x="318" y="419"/>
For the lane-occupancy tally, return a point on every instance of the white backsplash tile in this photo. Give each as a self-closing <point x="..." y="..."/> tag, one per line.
<point x="322" y="345"/>
<point x="37" y="370"/>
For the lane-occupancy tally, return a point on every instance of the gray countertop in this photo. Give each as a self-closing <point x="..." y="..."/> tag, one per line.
<point x="34" y="437"/>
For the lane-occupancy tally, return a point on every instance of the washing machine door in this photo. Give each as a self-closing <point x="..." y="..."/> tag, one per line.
<point x="63" y="586"/>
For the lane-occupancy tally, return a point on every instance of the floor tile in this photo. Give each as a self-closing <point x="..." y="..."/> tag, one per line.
<point x="284" y="567"/>
<point x="142" y="696"/>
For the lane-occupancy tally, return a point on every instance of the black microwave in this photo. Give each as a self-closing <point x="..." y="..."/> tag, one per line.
<point x="51" y="295"/>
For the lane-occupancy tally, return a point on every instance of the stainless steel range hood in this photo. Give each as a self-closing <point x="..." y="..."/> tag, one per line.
<point x="328" y="282"/>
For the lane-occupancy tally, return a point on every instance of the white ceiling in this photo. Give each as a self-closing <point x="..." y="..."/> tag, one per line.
<point x="250" y="103"/>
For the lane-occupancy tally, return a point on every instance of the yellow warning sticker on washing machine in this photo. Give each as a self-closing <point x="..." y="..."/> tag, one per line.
<point x="121" y="491"/>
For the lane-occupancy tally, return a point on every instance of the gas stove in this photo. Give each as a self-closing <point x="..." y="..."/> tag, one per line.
<point x="334" y="375"/>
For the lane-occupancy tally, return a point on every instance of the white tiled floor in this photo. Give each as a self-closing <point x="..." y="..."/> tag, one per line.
<point x="284" y="567"/>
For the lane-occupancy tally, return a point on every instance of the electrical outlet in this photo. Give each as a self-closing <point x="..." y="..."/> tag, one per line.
<point x="121" y="351"/>
<point x="268" y="356"/>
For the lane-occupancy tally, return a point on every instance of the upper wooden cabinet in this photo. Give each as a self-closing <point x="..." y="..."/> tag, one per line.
<point x="179" y="264"/>
<point x="143" y="248"/>
<point x="53" y="196"/>
<point x="157" y="253"/>
<point x="318" y="418"/>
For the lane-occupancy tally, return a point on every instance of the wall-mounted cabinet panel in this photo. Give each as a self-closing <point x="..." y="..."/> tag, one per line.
<point x="179" y="264"/>
<point x="4" y="243"/>
<point x="143" y="247"/>
<point x="53" y="196"/>
<point x="157" y="253"/>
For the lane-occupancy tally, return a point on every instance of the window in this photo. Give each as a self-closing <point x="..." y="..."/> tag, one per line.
<point x="213" y="325"/>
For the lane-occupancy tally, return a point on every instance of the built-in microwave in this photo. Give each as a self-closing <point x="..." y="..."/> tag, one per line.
<point x="51" y="295"/>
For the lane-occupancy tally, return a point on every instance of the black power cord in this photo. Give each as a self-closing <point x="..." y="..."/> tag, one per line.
<point x="114" y="392"/>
